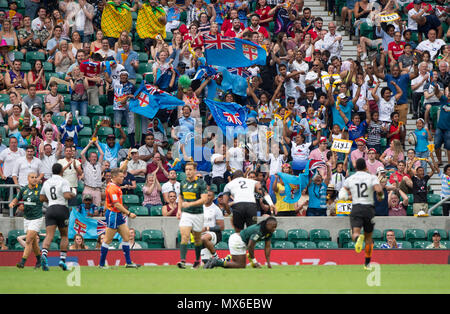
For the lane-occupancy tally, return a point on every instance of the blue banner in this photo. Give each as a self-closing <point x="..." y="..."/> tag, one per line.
<point x="148" y="99"/>
<point x="228" y="114"/>
<point x="232" y="52"/>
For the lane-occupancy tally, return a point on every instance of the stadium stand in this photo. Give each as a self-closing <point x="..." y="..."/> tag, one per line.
<point x="296" y="43"/>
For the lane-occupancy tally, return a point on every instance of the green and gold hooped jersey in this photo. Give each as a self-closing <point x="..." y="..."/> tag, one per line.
<point x="254" y="233"/>
<point x="191" y="192"/>
<point x="31" y="202"/>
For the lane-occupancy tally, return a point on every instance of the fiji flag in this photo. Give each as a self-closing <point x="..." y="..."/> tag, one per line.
<point x="232" y="52"/>
<point x="228" y="114"/>
<point x="80" y="224"/>
<point x="148" y="99"/>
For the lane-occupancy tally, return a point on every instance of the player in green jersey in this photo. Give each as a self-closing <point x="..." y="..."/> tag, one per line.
<point x="33" y="217"/>
<point x="240" y="242"/>
<point x="193" y="194"/>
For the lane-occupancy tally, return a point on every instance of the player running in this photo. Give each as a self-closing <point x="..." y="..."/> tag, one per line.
<point x="244" y="208"/>
<point x="361" y="186"/>
<point x="116" y="219"/>
<point x="190" y="212"/>
<point x="240" y="242"/>
<point x="56" y="191"/>
<point x="212" y="227"/>
<point x="33" y="218"/>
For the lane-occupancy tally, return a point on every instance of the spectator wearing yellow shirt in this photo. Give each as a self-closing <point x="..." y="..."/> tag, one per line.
<point x="283" y="208"/>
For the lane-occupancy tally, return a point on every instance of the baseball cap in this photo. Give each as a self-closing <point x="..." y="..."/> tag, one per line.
<point x="372" y="150"/>
<point x="417" y="1"/>
<point x="251" y="120"/>
<point x="381" y="170"/>
<point x="436" y="233"/>
<point x="134" y="150"/>
<point x="111" y="136"/>
<point x="181" y="64"/>
<point x="87" y="197"/>
<point x="361" y="139"/>
<point x="323" y="139"/>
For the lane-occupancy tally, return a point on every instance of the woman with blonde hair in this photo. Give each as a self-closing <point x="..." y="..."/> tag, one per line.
<point x="8" y="34"/>
<point x="63" y="59"/>
<point x="78" y="243"/>
<point x="152" y="191"/>
<point x="393" y="155"/>
<point x="124" y="37"/>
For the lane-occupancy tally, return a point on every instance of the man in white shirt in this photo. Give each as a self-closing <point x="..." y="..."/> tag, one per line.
<point x="56" y="191"/>
<point x="320" y="43"/>
<point x="333" y="41"/>
<point x="219" y="165"/>
<point x="148" y="150"/>
<point x="25" y="165"/>
<point x="414" y="14"/>
<point x="48" y="159"/>
<point x="71" y="170"/>
<point x="299" y="65"/>
<point x="137" y="167"/>
<point x="9" y="158"/>
<point x="38" y="23"/>
<point x="171" y="186"/>
<point x="235" y="156"/>
<point x="432" y="44"/>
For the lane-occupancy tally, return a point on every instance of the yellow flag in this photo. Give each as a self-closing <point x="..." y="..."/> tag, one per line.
<point x="115" y="21"/>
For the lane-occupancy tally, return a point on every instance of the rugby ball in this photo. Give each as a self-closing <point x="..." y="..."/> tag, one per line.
<point x="412" y="139"/>
<point x="343" y="194"/>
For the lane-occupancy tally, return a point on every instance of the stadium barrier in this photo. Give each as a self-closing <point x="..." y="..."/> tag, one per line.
<point x="278" y="257"/>
<point x="11" y="188"/>
<point x="445" y="200"/>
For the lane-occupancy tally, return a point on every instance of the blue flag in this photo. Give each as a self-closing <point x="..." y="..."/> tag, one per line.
<point x="89" y="228"/>
<point x="232" y="52"/>
<point x="228" y="114"/>
<point x="148" y="99"/>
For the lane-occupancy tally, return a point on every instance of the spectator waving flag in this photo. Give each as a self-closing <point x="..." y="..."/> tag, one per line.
<point x="228" y="114"/>
<point x="148" y="99"/>
<point x="232" y="52"/>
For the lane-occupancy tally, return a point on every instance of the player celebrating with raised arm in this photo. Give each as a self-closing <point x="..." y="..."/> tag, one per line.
<point x="33" y="218"/>
<point x="244" y="203"/>
<point x="361" y="186"/>
<point x="190" y="212"/>
<point x="56" y="191"/>
<point x="116" y="219"/>
<point x="240" y="242"/>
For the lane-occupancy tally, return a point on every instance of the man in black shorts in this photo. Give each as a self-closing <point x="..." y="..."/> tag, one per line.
<point x="362" y="185"/>
<point x="56" y="191"/>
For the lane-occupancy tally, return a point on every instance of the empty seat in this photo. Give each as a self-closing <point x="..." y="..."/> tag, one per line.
<point x="226" y="234"/>
<point x="317" y="235"/>
<point x="156" y="210"/>
<point x="139" y="210"/>
<point x="283" y="245"/>
<point x="278" y="235"/>
<point x="295" y="235"/>
<point x="421" y="244"/>
<point x="327" y="245"/>
<point x="413" y="235"/>
<point x="305" y="245"/>
<point x="221" y="246"/>
<point x="153" y="237"/>
<point x="130" y="199"/>
<point x="344" y="236"/>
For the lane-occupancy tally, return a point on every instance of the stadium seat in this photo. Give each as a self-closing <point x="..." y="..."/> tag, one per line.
<point x="96" y="110"/>
<point x="226" y="234"/>
<point x="344" y="236"/>
<point x="377" y="235"/>
<point x="85" y="131"/>
<point x="58" y="120"/>
<point x="139" y="210"/>
<point x="433" y="199"/>
<point x="138" y="189"/>
<point x="446" y="243"/>
<point x="130" y="199"/>
<point x="421" y="244"/>
<point x="437" y="211"/>
<point x="143" y="244"/>
<point x="54" y="246"/>
<point x="181" y="176"/>
<point x="317" y="235"/>
<point x="12" y="237"/>
<point x="32" y="56"/>
<point x="145" y="68"/>
<point x="221" y="246"/>
<point x="295" y="235"/>
<point x="378" y="244"/>
<point x="413" y="235"/>
<point x="349" y="245"/>
<point x="399" y="235"/>
<point x="305" y="245"/>
<point x="283" y="245"/>
<point x="48" y="66"/>
<point x="103" y="100"/>
<point x="26" y="66"/>
<point x="442" y="232"/>
<point x="17" y="247"/>
<point x="90" y="244"/>
<point x="18" y="55"/>
<point x="278" y="235"/>
<point x="142" y="57"/>
<point x="154" y="238"/>
<point x="104" y="131"/>
<point x="327" y="245"/>
<point x="156" y="210"/>
<point x="405" y="244"/>
<point x="83" y="141"/>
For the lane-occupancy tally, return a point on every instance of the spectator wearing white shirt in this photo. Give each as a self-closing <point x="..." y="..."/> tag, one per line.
<point x="137" y="167"/>
<point x="92" y="168"/>
<point x="25" y="165"/>
<point x="71" y="171"/>
<point x="236" y="156"/>
<point x="432" y="44"/>
<point x="38" y="23"/>
<point x="219" y="165"/>
<point x="171" y="186"/>
<point x="299" y="65"/>
<point x="333" y="41"/>
<point x="320" y="43"/>
<point x="48" y="159"/>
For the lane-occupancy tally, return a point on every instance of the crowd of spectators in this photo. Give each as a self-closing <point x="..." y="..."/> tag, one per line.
<point x="305" y="89"/>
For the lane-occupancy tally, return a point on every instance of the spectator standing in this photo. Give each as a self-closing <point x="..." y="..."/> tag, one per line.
<point x="171" y="186"/>
<point x="152" y="192"/>
<point x="92" y="167"/>
<point x="25" y="165"/>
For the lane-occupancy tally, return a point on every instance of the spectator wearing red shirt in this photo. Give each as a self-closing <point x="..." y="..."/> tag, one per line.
<point x="255" y="27"/>
<point x="318" y="23"/>
<point x="262" y="9"/>
<point x="398" y="175"/>
<point x="163" y="169"/>
<point x="396" y="48"/>
<point x="228" y="23"/>
<point x="236" y="30"/>
<point x="194" y="36"/>
<point x="91" y="69"/>
<point x="396" y="130"/>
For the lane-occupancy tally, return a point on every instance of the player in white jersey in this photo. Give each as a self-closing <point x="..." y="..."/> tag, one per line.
<point x="213" y="225"/>
<point x="56" y="191"/>
<point x="244" y="208"/>
<point x="361" y="186"/>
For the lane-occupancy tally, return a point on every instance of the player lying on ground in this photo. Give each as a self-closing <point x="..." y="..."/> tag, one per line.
<point x="240" y="242"/>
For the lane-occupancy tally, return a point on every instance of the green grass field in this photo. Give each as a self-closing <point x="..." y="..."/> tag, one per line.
<point x="279" y="280"/>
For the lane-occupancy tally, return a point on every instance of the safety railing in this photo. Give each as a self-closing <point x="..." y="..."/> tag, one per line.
<point x="10" y="197"/>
